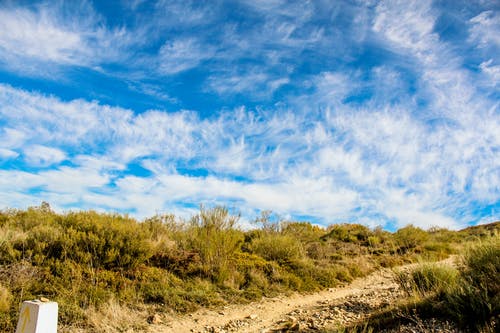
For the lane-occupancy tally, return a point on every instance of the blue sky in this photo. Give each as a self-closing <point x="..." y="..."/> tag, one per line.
<point x="375" y="112"/>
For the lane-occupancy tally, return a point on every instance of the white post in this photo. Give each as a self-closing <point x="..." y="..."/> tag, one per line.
<point x="38" y="317"/>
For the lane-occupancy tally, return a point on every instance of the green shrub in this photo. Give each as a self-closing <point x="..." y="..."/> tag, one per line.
<point x="317" y="250"/>
<point x="469" y="296"/>
<point x="351" y="233"/>
<point x="104" y="240"/>
<point x="213" y="236"/>
<point x="475" y="302"/>
<point x="410" y="238"/>
<point x="304" y="231"/>
<point x="277" y="247"/>
<point x="11" y="249"/>
<point x="342" y="273"/>
<point x="428" y="278"/>
<point x="482" y="264"/>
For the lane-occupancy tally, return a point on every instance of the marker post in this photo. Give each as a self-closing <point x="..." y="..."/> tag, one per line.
<point x="38" y="317"/>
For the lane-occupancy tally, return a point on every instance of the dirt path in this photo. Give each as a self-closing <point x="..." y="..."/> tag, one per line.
<point x="305" y="312"/>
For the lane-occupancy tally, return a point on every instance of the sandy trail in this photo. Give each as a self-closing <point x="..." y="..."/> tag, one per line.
<point x="266" y="314"/>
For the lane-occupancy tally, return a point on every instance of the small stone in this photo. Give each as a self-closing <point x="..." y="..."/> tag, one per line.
<point x="294" y="327"/>
<point x="252" y="316"/>
<point x="155" y="319"/>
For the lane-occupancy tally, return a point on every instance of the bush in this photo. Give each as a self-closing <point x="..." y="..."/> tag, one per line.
<point x="482" y="264"/>
<point x="107" y="241"/>
<point x="213" y="236"/>
<point x="9" y="245"/>
<point x="475" y="302"/>
<point x="429" y="278"/>
<point x="410" y="238"/>
<point x="470" y="297"/>
<point x="304" y="231"/>
<point x="351" y="233"/>
<point x="279" y="248"/>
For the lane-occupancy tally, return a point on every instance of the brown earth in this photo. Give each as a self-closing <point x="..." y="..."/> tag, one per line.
<point x="322" y="311"/>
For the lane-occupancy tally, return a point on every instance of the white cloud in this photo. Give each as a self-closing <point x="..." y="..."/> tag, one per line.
<point x="11" y="138"/>
<point x="182" y="54"/>
<point x="333" y="87"/>
<point x="407" y="24"/>
<point x="419" y="151"/>
<point x="76" y="125"/>
<point x="18" y="181"/>
<point x="184" y="14"/>
<point x="270" y="49"/>
<point x="42" y="156"/>
<point x="325" y="165"/>
<point x="492" y="71"/>
<point x="422" y="219"/>
<point x="7" y="153"/>
<point x="258" y="83"/>
<point x="484" y="29"/>
<point x="75" y="180"/>
<point x="37" y="41"/>
<point x="24" y="33"/>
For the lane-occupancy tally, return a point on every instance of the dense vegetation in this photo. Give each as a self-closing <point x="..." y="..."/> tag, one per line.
<point x="93" y="263"/>
<point x="467" y="294"/>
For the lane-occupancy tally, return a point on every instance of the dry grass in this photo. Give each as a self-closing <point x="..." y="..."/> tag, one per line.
<point x="5" y="298"/>
<point x="112" y="317"/>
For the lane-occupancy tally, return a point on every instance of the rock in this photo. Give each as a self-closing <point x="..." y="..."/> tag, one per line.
<point x="155" y="319"/>
<point x="294" y="328"/>
<point x="252" y="316"/>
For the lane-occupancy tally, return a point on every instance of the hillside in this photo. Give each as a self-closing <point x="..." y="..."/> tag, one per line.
<point x="110" y="272"/>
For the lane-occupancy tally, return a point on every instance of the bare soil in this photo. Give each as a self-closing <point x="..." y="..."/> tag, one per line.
<point x="321" y="311"/>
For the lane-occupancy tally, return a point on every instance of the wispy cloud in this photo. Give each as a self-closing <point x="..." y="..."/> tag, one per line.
<point x="181" y="54"/>
<point x="363" y="112"/>
<point x="37" y="40"/>
<point x="42" y="156"/>
<point x="7" y="153"/>
<point x="386" y="163"/>
<point x="492" y="71"/>
<point x="484" y="29"/>
<point x="25" y="33"/>
<point x="260" y="83"/>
